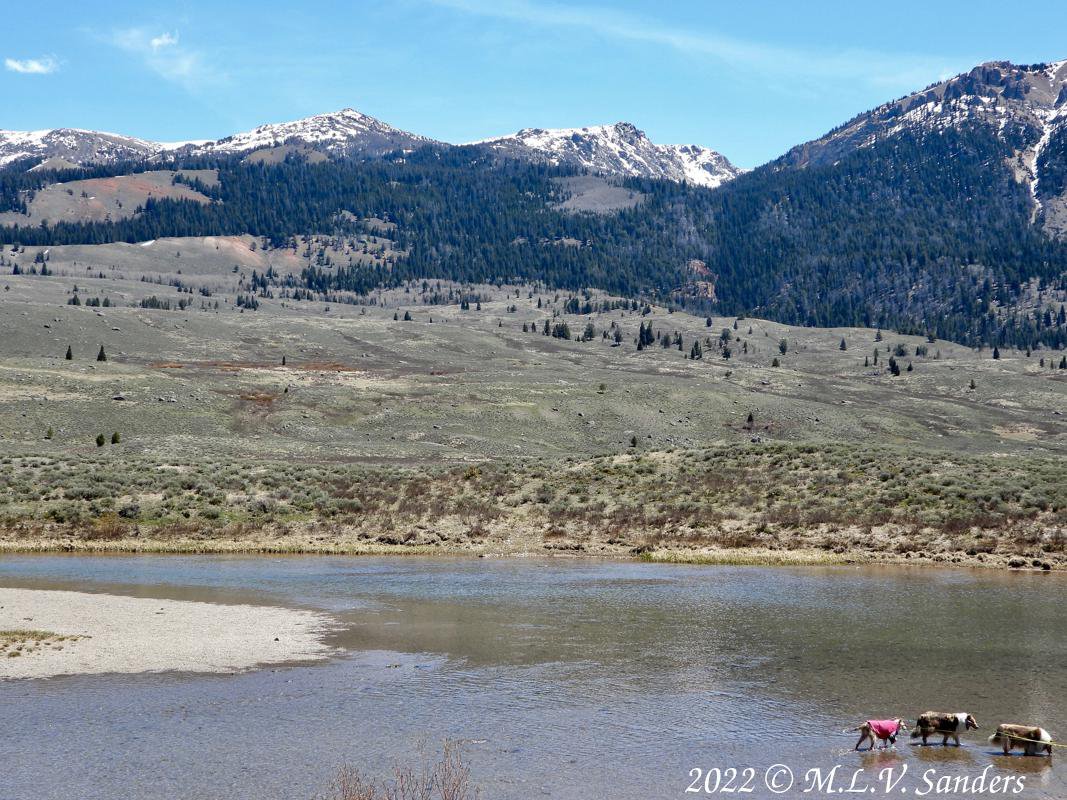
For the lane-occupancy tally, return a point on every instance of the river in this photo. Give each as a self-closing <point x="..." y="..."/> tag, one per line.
<point x="562" y="679"/>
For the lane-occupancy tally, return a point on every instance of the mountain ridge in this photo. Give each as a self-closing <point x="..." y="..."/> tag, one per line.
<point x="620" y="150"/>
<point x="1026" y="104"/>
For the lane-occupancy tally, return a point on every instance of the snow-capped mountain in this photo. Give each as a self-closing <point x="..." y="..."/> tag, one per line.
<point x="619" y="149"/>
<point x="75" y="146"/>
<point x="1026" y="107"/>
<point x="345" y="132"/>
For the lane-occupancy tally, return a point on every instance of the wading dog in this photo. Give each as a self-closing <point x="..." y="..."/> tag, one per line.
<point x="934" y="723"/>
<point x="1031" y="739"/>
<point x="885" y="729"/>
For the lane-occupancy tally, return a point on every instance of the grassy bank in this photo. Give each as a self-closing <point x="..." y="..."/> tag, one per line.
<point x="761" y="503"/>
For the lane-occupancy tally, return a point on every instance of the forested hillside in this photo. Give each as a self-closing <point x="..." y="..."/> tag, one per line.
<point x="926" y="232"/>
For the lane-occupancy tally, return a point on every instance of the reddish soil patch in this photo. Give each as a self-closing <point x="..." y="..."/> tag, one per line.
<point x="325" y="366"/>
<point x="260" y="398"/>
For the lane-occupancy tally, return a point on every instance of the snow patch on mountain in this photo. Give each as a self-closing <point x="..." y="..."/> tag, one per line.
<point x="72" y="144"/>
<point x="619" y="149"/>
<point x="346" y="132"/>
<point x="341" y="132"/>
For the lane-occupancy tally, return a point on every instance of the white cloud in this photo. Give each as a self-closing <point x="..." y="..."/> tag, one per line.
<point x="163" y="54"/>
<point x="899" y="70"/>
<point x="163" y="40"/>
<point x="32" y="66"/>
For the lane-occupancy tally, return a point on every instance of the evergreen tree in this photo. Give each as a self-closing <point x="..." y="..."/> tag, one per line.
<point x="70" y="354"/>
<point x="101" y="356"/>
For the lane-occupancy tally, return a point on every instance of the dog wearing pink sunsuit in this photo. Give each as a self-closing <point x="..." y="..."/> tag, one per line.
<point x="886" y="730"/>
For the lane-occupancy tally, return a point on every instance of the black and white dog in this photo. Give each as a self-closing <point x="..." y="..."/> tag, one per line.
<point x="934" y="723"/>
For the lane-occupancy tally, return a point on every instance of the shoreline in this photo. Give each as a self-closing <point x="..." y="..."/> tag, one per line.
<point x="59" y="632"/>
<point x="715" y="556"/>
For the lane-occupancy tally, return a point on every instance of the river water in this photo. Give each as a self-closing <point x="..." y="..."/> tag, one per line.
<point x="562" y="679"/>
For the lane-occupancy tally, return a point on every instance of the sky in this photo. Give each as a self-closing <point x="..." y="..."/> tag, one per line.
<point x="749" y="79"/>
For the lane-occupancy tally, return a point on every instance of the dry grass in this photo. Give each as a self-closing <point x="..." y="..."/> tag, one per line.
<point x="749" y="556"/>
<point x="758" y="503"/>
<point x="447" y="779"/>
<point x="18" y="642"/>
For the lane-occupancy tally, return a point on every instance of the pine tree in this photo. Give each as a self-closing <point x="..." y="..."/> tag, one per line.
<point x="843" y="345"/>
<point x="70" y="354"/>
<point x="101" y="356"/>
<point x="100" y="440"/>
<point x="996" y="352"/>
<point x="115" y="438"/>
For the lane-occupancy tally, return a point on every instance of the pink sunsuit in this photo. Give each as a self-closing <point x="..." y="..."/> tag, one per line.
<point x="883" y="728"/>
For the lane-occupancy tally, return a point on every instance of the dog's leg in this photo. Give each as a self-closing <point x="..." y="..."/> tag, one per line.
<point x="863" y="738"/>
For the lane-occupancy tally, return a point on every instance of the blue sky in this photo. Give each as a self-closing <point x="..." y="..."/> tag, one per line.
<point x="749" y="79"/>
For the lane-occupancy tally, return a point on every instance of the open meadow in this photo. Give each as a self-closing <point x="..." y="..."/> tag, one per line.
<point x="442" y="416"/>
